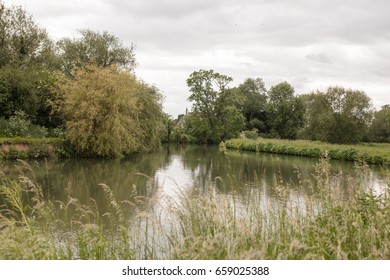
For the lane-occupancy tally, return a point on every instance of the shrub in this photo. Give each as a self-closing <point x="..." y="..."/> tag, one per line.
<point x="250" y="134"/>
<point x="20" y="126"/>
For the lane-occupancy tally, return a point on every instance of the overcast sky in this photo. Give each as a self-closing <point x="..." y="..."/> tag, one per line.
<point x="312" y="44"/>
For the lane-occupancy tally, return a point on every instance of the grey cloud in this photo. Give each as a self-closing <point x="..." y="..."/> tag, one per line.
<point x="172" y="9"/>
<point x="307" y="42"/>
<point x="319" y="57"/>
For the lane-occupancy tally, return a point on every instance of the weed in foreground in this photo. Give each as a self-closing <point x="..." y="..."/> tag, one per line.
<point x="330" y="222"/>
<point x="338" y="225"/>
<point x="33" y="227"/>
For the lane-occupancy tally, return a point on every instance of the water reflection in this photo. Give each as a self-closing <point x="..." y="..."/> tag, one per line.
<point x="174" y="169"/>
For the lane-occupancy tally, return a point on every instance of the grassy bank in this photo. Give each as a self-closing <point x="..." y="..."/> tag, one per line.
<point x="23" y="148"/>
<point x="370" y="153"/>
<point x="329" y="223"/>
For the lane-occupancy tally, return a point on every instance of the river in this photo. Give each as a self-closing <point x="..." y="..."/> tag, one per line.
<point x="174" y="169"/>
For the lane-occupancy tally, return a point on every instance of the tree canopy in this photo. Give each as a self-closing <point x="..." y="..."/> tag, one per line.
<point x="102" y="111"/>
<point x="284" y="111"/>
<point x="379" y="130"/>
<point x="255" y="100"/>
<point x="215" y="113"/>
<point x="22" y="42"/>
<point x="87" y="87"/>
<point x="338" y="115"/>
<point x="101" y="49"/>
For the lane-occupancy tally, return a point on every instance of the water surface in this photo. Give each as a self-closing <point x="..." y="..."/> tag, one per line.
<point x="175" y="169"/>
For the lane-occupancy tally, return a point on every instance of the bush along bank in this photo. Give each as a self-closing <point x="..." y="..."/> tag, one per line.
<point x="370" y="153"/>
<point x="24" y="148"/>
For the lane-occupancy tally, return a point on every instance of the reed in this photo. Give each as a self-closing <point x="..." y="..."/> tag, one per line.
<point x="330" y="222"/>
<point x="34" y="227"/>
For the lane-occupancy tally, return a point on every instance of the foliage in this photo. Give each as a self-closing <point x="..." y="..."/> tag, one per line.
<point x="26" y="60"/>
<point x="150" y="116"/>
<point x="379" y="130"/>
<point x="22" y="42"/>
<point x="215" y="114"/>
<point x="370" y="153"/>
<point x="100" y="49"/>
<point x="19" y="126"/>
<point x="28" y="90"/>
<point x="250" y="134"/>
<point x="318" y="117"/>
<point x="284" y="111"/>
<point x="169" y="126"/>
<point x="338" y="116"/>
<point x="101" y="112"/>
<point x="254" y="106"/>
<point x="352" y="111"/>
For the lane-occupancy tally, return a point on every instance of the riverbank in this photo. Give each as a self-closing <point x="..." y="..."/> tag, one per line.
<point x="371" y="153"/>
<point x="24" y="148"/>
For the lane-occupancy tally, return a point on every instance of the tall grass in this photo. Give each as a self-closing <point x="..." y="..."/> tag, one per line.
<point x="331" y="223"/>
<point x="34" y="227"/>
<point x="328" y="222"/>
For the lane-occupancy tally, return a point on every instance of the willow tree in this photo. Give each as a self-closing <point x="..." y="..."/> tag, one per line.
<point x="150" y="115"/>
<point x="101" y="111"/>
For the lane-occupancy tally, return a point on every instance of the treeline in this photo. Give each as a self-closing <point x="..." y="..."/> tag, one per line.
<point x="220" y="112"/>
<point x="82" y="89"/>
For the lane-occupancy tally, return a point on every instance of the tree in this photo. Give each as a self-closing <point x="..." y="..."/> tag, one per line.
<point x="338" y="115"/>
<point x="215" y="113"/>
<point x="101" y="112"/>
<point x="284" y="111"/>
<point x="26" y="62"/>
<point x="352" y="113"/>
<point x="22" y="41"/>
<point x="150" y="116"/>
<point x="318" y="117"/>
<point x="379" y="130"/>
<point x="255" y="101"/>
<point x="26" y="90"/>
<point x="101" y="49"/>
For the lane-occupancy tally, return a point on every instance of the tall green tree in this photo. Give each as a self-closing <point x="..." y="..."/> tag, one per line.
<point x="352" y="114"/>
<point x="338" y="115"/>
<point x="216" y="112"/>
<point x="285" y="112"/>
<point x="318" y="117"/>
<point x="379" y="130"/>
<point x="26" y="90"/>
<point x="27" y="59"/>
<point x="101" y="49"/>
<point x="22" y="42"/>
<point x="255" y="100"/>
